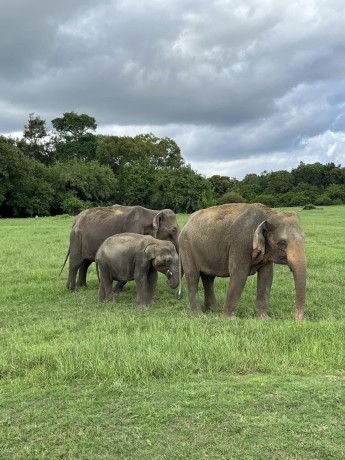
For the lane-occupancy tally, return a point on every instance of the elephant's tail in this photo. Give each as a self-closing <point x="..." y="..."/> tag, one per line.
<point x="179" y="294"/>
<point x="65" y="261"/>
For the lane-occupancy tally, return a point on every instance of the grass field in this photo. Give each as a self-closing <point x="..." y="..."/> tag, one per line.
<point x="83" y="380"/>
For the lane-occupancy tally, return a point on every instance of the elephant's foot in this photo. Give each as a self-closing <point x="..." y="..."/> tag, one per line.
<point x="195" y="311"/>
<point x="70" y="286"/>
<point x="141" y="305"/>
<point x="262" y="316"/>
<point x="228" y="316"/>
<point x="213" y="307"/>
<point x="299" y="317"/>
<point x="109" y="298"/>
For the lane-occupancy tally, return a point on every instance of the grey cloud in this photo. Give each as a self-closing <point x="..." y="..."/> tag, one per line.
<point x="245" y="78"/>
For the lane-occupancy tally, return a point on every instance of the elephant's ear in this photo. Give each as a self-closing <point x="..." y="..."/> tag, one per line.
<point x="259" y="242"/>
<point x="150" y="251"/>
<point x="156" y="223"/>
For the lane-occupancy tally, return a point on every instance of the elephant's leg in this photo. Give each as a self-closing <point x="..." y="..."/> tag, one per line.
<point x="264" y="284"/>
<point x="210" y="298"/>
<point x="233" y="294"/>
<point x="106" y="283"/>
<point x="151" y="286"/>
<point x="101" y="292"/>
<point x="83" y="271"/>
<point x="142" y="289"/>
<point x="119" y="287"/>
<point x="72" y="274"/>
<point x="192" y="279"/>
<point x="75" y="260"/>
<point x="108" y="287"/>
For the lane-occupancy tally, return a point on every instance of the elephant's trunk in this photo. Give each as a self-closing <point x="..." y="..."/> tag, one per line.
<point x="173" y="277"/>
<point x="175" y="242"/>
<point x="298" y="264"/>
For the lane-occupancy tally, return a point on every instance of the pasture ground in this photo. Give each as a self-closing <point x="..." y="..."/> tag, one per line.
<point x="83" y="380"/>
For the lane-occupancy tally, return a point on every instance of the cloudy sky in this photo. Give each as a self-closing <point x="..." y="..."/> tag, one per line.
<point x="241" y="86"/>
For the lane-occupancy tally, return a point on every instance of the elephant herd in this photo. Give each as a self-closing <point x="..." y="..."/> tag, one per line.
<point x="237" y="240"/>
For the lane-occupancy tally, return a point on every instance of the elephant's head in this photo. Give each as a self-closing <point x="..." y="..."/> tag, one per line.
<point x="280" y="239"/>
<point x="164" y="259"/>
<point x="165" y="227"/>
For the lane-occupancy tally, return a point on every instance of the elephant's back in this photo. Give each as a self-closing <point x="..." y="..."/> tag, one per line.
<point x="214" y="219"/>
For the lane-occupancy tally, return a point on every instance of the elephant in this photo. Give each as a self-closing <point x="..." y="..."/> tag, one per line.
<point x="93" y="226"/>
<point x="129" y="256"/>
<point x="239" y="240"/>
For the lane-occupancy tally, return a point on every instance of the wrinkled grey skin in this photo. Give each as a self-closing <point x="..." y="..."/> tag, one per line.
<point x="92" y="226"/>
<point x="130" y="256"/>
<point x="239" y="240"/>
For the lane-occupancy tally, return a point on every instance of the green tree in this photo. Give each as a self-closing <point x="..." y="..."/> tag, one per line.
<point x="268" y="200"/>
<point x="318" y="174"/>
<point x="250" y="192"/>
<point x="182" y="190"/>
<point x="73" y="139"/>
<point x="301" y="195"/>
<point x="35" y="142"/>
<point x="279" y="182"/>
<point x="72" y="125"/>
<point x="90" y="183"/>
<point x="24" y="183"/>
<point x="222" y="184"/>
<point x="252" y="179"/>
<point x="136" y="184"/>
<point x="161" y="153"/>
<point x="336" y="192"/>
<point x="116" y="151"/>
<point x="334" y="174"/>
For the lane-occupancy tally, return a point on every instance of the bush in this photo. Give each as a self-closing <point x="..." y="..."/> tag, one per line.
<point x="337" y="201"/>
<point x="268" y="200"/>
<point x="231" y="197"/>
<point x="323" y="200"/>
<point x="308" y="207"/>
<point x="72" y="205"/>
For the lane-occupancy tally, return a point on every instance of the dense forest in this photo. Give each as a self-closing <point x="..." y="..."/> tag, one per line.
<point x="71" y="168"/>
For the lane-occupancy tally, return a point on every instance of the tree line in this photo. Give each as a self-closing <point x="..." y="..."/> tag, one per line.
<point x="70" y="168"/>
<point x="308" y="184"/>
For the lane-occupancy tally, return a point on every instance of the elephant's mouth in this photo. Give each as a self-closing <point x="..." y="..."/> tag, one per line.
<point x="169" y="274"/>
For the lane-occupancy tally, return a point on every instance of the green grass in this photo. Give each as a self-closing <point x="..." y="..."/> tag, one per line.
<point x="80" y="379"/>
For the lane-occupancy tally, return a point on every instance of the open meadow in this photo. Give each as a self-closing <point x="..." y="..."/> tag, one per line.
<point x="85" y="380"/>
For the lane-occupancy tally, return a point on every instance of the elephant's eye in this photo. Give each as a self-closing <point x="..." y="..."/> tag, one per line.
<point x="282" y="244"/>
<point x="174" y="230"/>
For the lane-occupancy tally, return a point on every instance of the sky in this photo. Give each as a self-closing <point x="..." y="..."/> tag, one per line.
<point x="241" y="86"/>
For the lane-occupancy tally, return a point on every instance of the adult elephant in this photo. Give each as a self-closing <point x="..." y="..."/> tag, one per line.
<point x="92" y="226"/>
<point x="238" y="240"/>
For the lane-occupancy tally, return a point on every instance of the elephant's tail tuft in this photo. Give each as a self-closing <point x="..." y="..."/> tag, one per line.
<point x="65" y="261"/>
<point x="179" y="294"/>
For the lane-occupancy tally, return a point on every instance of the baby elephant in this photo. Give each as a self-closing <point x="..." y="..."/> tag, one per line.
<point x="129" y="256"/>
